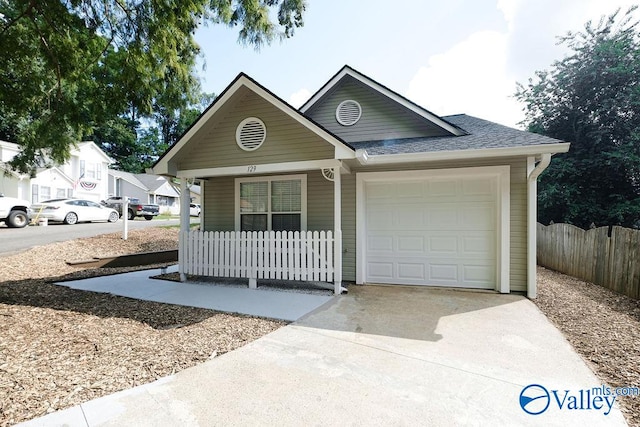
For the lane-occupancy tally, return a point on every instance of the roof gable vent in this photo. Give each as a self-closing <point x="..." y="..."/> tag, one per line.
<point x="251" y="133"/>
<point x="348" y="112"/>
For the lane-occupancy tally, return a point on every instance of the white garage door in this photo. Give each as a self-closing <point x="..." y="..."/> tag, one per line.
<point x="432" y="231"/>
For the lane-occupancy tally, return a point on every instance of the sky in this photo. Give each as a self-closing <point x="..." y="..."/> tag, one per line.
<point x="450" y="57"/>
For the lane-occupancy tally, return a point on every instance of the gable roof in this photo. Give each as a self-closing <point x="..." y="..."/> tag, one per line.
<point x="343" y="150"/>
<point x="156" y="182"/>
<point x="410" y="105"/>
<point x="57" y="170"/>
<point x="129" y="177"/>
<point x="93" y="145"/>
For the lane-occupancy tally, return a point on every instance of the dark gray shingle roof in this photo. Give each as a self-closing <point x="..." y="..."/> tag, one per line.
<point x="482" y="134"/>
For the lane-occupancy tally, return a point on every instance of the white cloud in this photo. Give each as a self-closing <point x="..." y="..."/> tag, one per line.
<point x="478" y="75"/>
<point x="469" y="78"/>
<point x="299" y="97"/>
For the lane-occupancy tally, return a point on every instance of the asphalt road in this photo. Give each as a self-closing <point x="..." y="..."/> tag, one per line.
<point x="13" y="240"/>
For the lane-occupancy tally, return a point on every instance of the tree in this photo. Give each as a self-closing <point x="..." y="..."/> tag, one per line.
<point x="68" y="67"/>
<point x="591" y="98"/>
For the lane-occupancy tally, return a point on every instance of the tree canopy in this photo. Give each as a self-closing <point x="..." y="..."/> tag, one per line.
<point x="591" y="98"/>
<point x="72" y="69"/>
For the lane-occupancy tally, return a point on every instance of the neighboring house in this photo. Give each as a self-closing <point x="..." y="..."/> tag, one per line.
<point x="409" y="197"/>
<point x="84" y="176"/>
<point x="195" y="192"/>
<point x="147" y="188"/>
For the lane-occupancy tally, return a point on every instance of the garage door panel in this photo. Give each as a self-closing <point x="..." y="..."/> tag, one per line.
<point x="411" y="244"/>
<point x="380" y="243"/>
<point x="443" y="273"/>
<point x="411" y="271"/>
<point x="478" y="274"/>
<point x="439" y="232"/>
<point x="445" y="245"/>
<point x="479" y="245"/>
<point x="479" y="187"/>
<point x="438" y="188"/>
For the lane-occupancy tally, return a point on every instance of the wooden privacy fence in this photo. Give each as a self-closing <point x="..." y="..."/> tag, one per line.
<point x="608" y="257"/>
<point x="306" y="256"/>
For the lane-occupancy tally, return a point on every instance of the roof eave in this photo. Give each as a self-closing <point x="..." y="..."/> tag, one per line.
<point x="532" y="150"/>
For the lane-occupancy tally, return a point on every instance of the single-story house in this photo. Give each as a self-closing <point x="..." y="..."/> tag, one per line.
<point x="359" y="184"/>
<point x="147" y="188"/>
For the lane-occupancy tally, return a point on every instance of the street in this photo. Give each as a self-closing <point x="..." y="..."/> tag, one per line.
<point x="14" y="240"/>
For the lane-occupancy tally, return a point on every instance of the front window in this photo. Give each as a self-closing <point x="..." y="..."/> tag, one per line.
<point x="45" y="192"/>
<point x="272" y="203"/>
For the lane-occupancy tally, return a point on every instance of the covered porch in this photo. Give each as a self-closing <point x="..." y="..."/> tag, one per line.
<point x="266" y="221"/>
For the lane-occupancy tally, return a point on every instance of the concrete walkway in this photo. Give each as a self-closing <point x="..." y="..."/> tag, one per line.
<point x="270" y="303"/>
<point x="377" y="356"/>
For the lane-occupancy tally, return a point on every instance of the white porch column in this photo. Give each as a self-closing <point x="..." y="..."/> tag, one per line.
<point x="337" y="226"/>
<point x="184" y="226"/>
<point x="202" y="189"/>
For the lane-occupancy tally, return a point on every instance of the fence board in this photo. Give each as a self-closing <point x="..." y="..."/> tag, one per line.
<point x="607" y="258"/>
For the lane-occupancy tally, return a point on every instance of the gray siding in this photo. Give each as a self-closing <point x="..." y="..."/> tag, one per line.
<point x="381" y="117"/>
<point x="287" y="140"/>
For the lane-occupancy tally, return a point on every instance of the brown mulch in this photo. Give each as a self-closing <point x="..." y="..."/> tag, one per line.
<point x="60" y="347"/>
<point x="603" y="327"/>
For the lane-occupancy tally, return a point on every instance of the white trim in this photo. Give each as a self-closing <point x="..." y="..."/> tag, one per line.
<point x="533" y="172"/>
<point x="342" y="151"/>
<point x="348" y="71"/>
<point x="337" y="227"/>
<point x="532" y="205"/>
<point x="269" y="178"/>
<point x="261" y="169"/>
<point x="503" y="212"/>
<point x="530" y="150"/>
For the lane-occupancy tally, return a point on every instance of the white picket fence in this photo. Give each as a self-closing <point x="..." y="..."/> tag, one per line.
<point x="305" y="256"/>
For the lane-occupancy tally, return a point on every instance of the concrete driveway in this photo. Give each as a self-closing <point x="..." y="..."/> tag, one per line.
<point x="378" y="356"/>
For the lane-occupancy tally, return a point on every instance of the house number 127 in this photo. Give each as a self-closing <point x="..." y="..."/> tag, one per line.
<point x="251" y="168"/>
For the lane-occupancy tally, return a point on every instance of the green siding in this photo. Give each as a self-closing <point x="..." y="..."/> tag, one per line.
<point x="220" y="210"/>
<point x="382" y="118"/>
<point x="219" y="204"/>
<point x="287" y="140"/>
<point x="518" y="242"/>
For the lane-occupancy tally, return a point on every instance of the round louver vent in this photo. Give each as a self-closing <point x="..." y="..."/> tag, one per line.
<point x="348" y="112"/>
<point x="251" y="133"/>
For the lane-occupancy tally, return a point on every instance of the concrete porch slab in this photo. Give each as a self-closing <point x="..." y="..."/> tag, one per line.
<point x="271" y="303"/>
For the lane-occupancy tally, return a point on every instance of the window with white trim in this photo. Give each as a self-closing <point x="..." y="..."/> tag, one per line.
<point x="275" y="203"/>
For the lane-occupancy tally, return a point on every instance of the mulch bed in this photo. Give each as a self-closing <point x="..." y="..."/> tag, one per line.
<point x="60" y="347"/>
<point x="603" y="327"/>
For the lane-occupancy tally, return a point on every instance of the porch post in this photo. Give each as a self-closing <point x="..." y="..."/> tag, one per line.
<point x="184" y="227"/>
<point x="337" y="226"/>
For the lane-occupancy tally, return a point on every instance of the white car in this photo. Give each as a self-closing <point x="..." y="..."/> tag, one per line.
<point x="194" y="209"/>
<point x="72" y="211"/>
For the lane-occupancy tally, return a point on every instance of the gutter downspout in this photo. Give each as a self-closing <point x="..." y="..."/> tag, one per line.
<point x="533" y="172"/>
